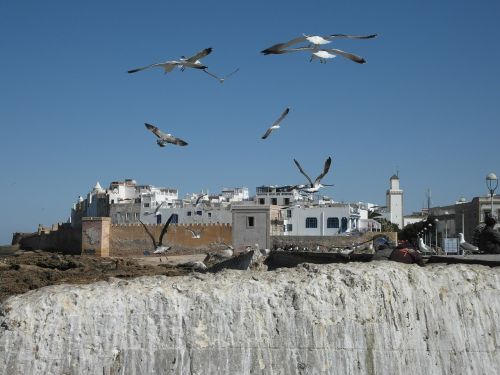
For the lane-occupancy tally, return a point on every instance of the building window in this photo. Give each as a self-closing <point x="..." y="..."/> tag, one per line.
<point x="311" y="222"/>
<point x="146" y="205"/>
<point x="127" y="216"/>
<point x="188" y="213"/>
<point x="199" y="213"/>
<point x="289" y="213"/>
<point x="262" y="201"/>
<point x="332" y="222"/>
<point x="136" y="216"/>
<point x="250" y="221"/>
<point x="286" y="201"/>
<point x="209" y="214"/>
<point x="274" y="201"/>
<point x="175" y="219"/>
<point x="289" y="227"/>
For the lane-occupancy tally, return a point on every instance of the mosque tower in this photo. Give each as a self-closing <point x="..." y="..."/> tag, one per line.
<point x="394" y="197"/>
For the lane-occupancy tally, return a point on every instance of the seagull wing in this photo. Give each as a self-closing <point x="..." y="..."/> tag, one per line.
<point x="149" y="233"/>
<point x="302" y="171"/>
<point x="221" y="80"/>
<point x="167" y="65"/>
<point x="269" y="131"/>
<point x="176" y="141"/>
<point x="164" y="230"/>
<point x="350" y="56"/>
<point x="199" y="55"/>
<point x="278" y="48"/>
<point x="326" y="168"/>
<point x="282" y="116"/>
<point x="334" y="36"/>
<point x="155" y="130"/>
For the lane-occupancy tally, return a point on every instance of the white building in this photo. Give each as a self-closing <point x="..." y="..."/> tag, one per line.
<point x="394" y="197"/>
<point x="334" y="219"/>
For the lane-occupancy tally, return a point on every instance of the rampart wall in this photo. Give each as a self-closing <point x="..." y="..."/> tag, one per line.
<point x="61" y="238"/>
<point x="133" y="240"/>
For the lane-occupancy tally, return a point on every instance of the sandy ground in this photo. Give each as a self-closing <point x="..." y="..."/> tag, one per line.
<point x="21" y="271"/>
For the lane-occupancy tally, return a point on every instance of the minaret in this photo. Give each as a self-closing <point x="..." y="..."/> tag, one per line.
<point x="394" y="197"/>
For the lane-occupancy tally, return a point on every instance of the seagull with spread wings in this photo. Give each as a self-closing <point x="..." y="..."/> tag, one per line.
<point x="195" y="233"/>
<point x="313" y="187"/>
<point x="314" y="46"/>
<point x="159" y="248"/>
<point x="164" y="138"/>
<point x="276" y="124"/>
<point x="221" y="79"/>
<point x="183" y="63"/>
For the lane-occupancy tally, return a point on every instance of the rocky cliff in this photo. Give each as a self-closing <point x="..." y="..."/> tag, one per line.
<point x="357" y="318"/>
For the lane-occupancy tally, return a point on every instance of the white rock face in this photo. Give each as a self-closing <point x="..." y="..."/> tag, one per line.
<point x="363" y="318"/>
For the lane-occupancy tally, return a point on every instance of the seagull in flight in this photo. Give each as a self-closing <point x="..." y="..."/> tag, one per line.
<point x="159" y="248"/>
<point x="164" y="138"/>
<point x="183" y="63"/>
<point x="313" y="187"/>
<point x="314" y="46"/>
<point x="195" y="233"/>
<point x="276" y="124"/>
<point x="222" y="79"/>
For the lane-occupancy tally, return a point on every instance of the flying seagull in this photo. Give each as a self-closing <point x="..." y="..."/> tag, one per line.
<point x="466" y="247"/>
<point x="156" y="210"/>
<point x="159" y="248"/>
<point x="182" y="63"/>
<point x="276" y="124"/>
<point x="314" y="40"/>
<point x="164" y="138"/>
<point x="318" y="52"/>
<point x="316" y="185"/>
<point x="195" y="233"/>
<point x="221" y="80"/>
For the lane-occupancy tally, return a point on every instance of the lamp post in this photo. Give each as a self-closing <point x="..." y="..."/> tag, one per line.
<point x="430" y="234"/>
<point x="446" y="224"/>
<point x="436" y="225"/>
<point x="492" y="184"/>
<point x="425" y="235"/>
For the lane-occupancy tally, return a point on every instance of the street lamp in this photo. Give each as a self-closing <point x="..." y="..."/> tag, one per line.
<point x="425" y="235"/>
<point x="446" y="224"/>
<point x="430" y="234"/>
<point x="492" y="184"/>
<point x="436" y="225"/>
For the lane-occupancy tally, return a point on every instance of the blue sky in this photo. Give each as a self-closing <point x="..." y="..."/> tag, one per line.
<point x="427" y="103"/>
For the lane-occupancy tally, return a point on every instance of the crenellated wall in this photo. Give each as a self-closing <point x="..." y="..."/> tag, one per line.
<point x="61" y="238"/>
<point x="132" y="239"/>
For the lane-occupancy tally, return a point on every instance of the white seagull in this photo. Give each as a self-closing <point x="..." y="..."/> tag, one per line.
<point x="466" y="247"/>
<point x="164" y="138"/>
<point x="221" y="79"/>
<point x="159" y="248"/>
<point x="182" y="63"/>
<point x="315" y="48"/>
<point x="423" y="247"/>
<point x="195" y="233"/>
<point x="313" y="187"/>
<point x="276" y="124"/>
